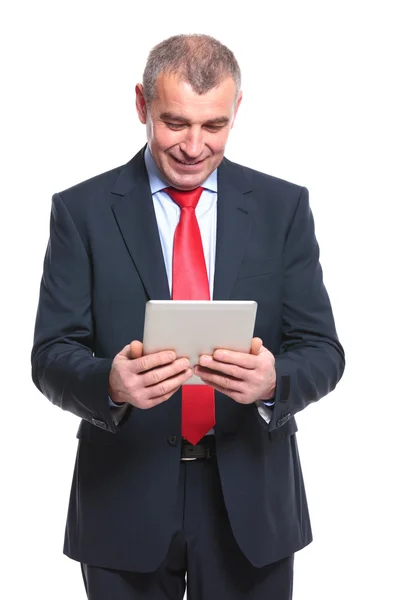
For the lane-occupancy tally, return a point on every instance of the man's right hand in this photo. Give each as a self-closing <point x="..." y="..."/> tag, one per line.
<point x="145" y="381"/>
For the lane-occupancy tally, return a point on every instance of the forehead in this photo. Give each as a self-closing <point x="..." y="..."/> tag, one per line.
<point x="174" y="95"/>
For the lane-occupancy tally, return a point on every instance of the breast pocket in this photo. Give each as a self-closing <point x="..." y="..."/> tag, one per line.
<point x="259" y="267"/>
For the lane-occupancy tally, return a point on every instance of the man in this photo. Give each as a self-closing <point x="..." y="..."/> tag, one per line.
<point x="142" y="516"/>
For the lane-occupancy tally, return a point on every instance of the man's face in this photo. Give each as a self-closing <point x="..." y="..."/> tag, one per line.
<point x="187" y="133"/>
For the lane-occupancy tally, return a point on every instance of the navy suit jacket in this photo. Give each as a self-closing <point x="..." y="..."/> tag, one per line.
<point x="103" y="262"/>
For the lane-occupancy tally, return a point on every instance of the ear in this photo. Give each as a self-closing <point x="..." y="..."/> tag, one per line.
<point x="141" y="103"/>
<point x="238" y="102"/>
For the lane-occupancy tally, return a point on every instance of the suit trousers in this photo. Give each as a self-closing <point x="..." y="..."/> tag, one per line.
<point x="203" y="557"/>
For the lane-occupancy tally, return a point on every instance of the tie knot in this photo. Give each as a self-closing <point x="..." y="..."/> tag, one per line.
<point x="185" y="198"/>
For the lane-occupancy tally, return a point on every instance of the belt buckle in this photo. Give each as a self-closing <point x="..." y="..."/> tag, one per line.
<point x="202" y="455"/>
<point x="188" y="458"/>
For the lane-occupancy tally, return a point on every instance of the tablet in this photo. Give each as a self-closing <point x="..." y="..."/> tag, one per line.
<point x="195" y="327"/>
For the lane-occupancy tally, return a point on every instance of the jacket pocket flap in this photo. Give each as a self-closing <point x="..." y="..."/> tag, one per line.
<point x="288" y="429"/>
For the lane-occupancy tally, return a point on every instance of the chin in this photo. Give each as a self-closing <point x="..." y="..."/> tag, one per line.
<point x="185" y="180"/>
<point x="193" y="178"/>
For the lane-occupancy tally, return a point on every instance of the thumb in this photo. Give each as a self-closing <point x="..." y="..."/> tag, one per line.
<point x="136" y="349"/>
<point x="256" y="345"/>
<point x="132" y="350"/>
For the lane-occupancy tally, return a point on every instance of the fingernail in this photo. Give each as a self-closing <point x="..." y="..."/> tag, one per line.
<point x="204" y="360"/>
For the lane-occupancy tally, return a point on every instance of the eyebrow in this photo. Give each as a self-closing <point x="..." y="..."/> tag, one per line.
<point x="168" y="116"/>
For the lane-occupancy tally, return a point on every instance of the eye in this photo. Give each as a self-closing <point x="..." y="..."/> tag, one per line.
<point x="175" y="126"/>
<point x="214" y="128"/>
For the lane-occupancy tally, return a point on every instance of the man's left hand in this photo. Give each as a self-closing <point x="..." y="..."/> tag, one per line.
<point x="243" y="377"/>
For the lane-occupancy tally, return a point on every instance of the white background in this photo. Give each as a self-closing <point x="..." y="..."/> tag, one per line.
<point x="319" y="109"/>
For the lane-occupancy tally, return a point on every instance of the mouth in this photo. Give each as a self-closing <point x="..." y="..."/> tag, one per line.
<point x="187" y="164"/>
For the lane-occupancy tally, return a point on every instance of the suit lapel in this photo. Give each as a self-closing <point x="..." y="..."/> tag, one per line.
<point x="134" y="212"/>
<point x="235" y="209"/>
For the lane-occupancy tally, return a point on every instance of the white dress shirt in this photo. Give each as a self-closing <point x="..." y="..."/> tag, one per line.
<point x="168" y="214"/>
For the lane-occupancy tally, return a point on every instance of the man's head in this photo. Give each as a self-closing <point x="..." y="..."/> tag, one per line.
<point x="188" y="101"/>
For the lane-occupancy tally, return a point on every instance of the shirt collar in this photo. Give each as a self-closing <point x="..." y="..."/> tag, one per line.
<point x="158" y="183"/>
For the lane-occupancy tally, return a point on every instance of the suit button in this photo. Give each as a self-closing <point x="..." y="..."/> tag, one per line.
<point x="172" y="440"/>
<point x="99" y="423"/>
<point x="283" y="420"/>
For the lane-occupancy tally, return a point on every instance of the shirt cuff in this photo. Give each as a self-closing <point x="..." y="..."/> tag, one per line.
<point x="117" y="410"/>
<point x="264" y="411"/>
<point x="111" y="403"/>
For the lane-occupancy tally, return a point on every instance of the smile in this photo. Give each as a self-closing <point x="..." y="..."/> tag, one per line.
<point x="187" y="164"/>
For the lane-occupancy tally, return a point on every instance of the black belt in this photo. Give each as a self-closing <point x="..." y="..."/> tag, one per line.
<point x="205" y="448"/>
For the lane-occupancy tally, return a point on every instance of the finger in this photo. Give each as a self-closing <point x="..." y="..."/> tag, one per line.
<point x="166" y="388"/>
<point x="155" y="376"/>
<point x="256" y="345"/>
<point x="159" y="399"/>
<point x="125" y="352"/>
<point x="220" y="380"/>
<point x="236" y="396"/>
<point x="242" y="359"/>
<point x="136" y="349"/>
<point x="132" y="350"/>
<point x="235" y="371"/>
<point x="151" y="361"/>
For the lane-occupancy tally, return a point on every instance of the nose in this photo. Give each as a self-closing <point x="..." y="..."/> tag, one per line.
<point x="193" y="144"/>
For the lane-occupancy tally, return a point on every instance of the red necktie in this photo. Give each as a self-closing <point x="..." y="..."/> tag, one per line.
<point x="190" y="282"/>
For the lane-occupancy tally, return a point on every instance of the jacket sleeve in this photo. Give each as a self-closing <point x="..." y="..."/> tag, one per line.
<point x="311" y="359"/>
<point x="64" y="367"/>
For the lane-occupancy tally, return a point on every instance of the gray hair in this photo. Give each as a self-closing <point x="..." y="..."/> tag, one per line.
<point x="200" y="60"/>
